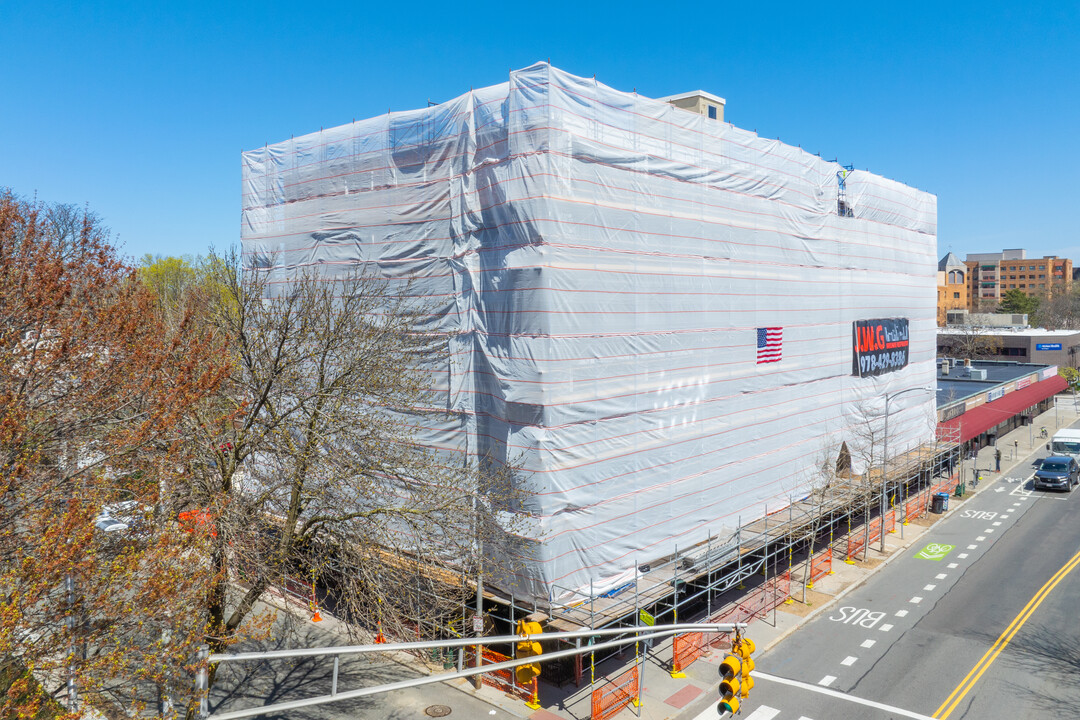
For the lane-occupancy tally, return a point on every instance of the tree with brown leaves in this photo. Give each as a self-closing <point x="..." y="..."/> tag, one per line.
<point x="94" y="391"/>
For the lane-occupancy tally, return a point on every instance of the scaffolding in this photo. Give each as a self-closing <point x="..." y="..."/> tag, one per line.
<point x="711" y="580"/>
<point x="736" y="578"/>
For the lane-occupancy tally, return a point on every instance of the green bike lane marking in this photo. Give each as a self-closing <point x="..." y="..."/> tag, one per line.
<point x="934" y="551"/>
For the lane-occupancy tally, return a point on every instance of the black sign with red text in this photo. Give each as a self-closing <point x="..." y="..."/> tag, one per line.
<point x="879" y="346"/>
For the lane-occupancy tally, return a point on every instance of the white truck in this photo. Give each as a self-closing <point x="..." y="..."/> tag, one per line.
<point x="1065" y="442"/>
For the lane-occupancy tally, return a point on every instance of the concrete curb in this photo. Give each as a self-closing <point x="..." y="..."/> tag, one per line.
<point x="894" y="554"/>
<point x="984" y="485"/>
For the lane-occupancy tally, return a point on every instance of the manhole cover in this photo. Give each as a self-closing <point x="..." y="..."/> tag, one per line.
<point x="437" y="710"/>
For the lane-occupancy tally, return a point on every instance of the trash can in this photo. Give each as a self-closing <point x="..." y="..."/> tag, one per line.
<point x="939" y="503"/>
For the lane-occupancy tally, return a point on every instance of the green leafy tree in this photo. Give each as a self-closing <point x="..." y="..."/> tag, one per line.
<point x="1018" y="301"/>
<point x="1071" y="375"/>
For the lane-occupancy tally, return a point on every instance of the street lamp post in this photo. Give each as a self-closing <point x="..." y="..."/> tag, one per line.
<point x="885" y="461"/>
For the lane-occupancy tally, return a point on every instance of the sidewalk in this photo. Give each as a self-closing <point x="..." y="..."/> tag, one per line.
<point x="664" y="697"/>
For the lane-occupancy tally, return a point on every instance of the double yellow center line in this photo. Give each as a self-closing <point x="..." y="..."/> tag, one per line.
<point x="980" y="667"/>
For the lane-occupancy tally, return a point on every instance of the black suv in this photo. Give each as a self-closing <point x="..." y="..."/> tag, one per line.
<point x="1057" y="472"/>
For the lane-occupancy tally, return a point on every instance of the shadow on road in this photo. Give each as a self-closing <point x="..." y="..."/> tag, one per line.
<point x="267" y="682"/>
<point x="1052" y="661"/>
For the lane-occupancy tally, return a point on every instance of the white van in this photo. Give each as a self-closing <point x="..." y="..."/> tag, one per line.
<point x="1065" y="442"/>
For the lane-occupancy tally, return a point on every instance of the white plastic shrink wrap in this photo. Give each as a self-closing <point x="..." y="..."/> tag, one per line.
<point x="651" y="310"/>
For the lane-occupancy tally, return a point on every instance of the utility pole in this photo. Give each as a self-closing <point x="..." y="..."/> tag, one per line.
<point x="72" y="691"/>
<point x="478" y="618"/>
<point x="885" y="460"/>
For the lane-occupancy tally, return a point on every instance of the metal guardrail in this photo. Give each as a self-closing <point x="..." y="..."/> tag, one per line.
<point x="637" y="634"/>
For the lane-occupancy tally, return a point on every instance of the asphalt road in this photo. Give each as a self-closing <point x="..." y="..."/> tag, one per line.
<point x="977" y="621"/>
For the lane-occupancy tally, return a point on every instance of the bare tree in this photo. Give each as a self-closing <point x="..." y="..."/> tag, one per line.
<point x="1060" y="310"/>
<point x="317" y="465"/>
<point x="825" y="486"/>
<point x="969" y="342"/>
<point x="65" y="224"/>
<point x="868" y="435"/>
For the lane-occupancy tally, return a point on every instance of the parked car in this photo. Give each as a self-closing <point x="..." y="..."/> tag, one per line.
<point x="1057" y="472"/>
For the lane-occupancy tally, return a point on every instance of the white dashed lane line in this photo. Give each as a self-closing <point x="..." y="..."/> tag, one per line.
<point x="850" y="659"/>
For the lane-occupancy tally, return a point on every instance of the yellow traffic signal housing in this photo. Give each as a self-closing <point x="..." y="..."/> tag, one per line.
<point x="527" y="647"/>
<point x="743" y="647"/>
<point x="730" y="671"/>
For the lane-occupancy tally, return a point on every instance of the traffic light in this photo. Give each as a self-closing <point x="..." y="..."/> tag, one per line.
<point x="731" y="671"/>
<point x="527" y="647"/>
<point x="735" y="671"/>
<point x="744" y="647"/>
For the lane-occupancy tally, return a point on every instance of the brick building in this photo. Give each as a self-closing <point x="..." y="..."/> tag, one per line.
<point x="991" y="275"/>
<point x="953" y="291"/>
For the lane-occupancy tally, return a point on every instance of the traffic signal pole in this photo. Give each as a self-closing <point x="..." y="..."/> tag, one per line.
<point x="635" y="634"/>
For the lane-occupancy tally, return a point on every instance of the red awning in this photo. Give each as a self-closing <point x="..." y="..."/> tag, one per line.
<point x="975" y="422"/>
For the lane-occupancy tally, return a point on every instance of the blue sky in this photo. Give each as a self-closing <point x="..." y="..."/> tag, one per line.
<point x="141" y="110"/>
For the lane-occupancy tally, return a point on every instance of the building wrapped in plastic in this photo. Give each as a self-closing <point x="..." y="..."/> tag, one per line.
<point x="671" y="322"/>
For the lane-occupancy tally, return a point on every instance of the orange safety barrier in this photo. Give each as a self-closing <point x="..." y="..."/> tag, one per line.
<point x="874" y="531"/>
<point x="781" y="590"/>
<point x="504" y="680"/>
<point x="763" y="599"/>
<point x="855" y="543"/>
<point x="607" y="701"/>
<point x="821" y="564"/>
<point x="687" y="648"/>
<point x="294" y="590"/>
<point x="917" y="505"/>
<point x="860" y="537"/>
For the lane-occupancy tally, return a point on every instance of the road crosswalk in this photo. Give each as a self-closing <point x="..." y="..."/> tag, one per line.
<point x="763" y="712"/>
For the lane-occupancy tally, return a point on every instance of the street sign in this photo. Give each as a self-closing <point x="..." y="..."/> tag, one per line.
<point x="478" y="624"/>
<point x="647" y="619"/>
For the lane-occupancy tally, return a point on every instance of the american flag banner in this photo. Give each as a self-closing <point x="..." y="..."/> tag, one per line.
<point x="769" y="341"/>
